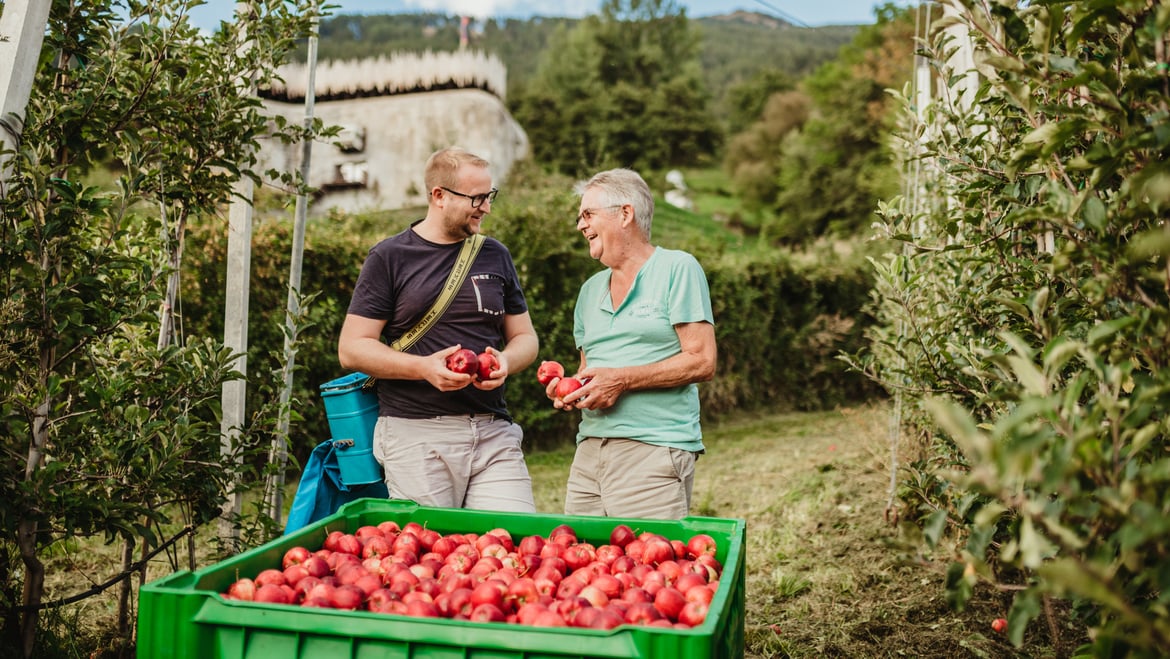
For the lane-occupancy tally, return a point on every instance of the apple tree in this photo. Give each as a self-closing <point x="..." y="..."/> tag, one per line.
<point x="1024" y="322"/>
<point x="108" y="417"/>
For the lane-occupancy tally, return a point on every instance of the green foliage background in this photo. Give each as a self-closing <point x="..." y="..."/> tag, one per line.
<point x="780" y="321"/>
<point x="1024" y="321"/>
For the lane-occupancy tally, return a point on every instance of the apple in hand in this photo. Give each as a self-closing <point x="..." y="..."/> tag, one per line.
<point x="565" y="387"/>
<point x="487" y="363"/>
<point x="463" y="361"/>
<point x="549" y="371"/>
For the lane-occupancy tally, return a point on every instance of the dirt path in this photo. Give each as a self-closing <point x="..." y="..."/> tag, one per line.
<point x="827" y="574"/>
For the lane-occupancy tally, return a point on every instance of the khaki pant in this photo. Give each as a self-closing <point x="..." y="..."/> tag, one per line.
<point x="455" y="462"/>
<point x="628" y="478"/>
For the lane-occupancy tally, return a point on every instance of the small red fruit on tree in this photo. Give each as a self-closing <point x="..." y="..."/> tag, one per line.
<point x="549" y="371"/>
<point x="463" y="361"/>
<point x="999" y="625"/>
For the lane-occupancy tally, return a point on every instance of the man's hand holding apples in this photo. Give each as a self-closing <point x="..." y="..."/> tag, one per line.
<point x="581" y="391"/>
<point x="602" y="387"/>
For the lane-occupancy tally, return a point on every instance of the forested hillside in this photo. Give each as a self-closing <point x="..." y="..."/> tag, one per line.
<point x="734" y="47"/>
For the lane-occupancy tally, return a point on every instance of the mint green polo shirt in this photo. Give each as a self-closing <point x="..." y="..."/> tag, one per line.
<point x="670" y="288"/>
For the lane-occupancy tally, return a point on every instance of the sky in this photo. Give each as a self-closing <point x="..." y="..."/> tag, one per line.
<point x="799" y="12"/>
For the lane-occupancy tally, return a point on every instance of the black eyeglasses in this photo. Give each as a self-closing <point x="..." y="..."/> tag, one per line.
<point x="588" y="213"/>
<point x="476" y="199"/>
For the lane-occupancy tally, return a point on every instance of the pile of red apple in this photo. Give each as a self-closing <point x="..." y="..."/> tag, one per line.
<point x="558" y="581"/>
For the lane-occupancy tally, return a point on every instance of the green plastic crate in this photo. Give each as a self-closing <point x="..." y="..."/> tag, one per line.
<point x="183" y="616"/>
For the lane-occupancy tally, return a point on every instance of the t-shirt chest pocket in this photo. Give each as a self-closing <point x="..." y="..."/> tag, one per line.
<point x="488" y="291"/>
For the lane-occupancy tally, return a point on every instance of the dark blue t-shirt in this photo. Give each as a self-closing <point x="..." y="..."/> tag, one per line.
<point x="400" y="280"/>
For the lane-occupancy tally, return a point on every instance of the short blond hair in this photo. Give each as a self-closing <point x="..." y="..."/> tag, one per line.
<point x="442" y="167"/>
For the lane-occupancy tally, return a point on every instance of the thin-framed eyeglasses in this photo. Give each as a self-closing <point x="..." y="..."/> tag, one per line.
<point x="588" y="213"/>
<point x="476" y="199"/>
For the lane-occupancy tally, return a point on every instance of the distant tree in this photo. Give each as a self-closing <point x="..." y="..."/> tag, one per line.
<point x="621" y="88"/>
<point x="752" y="159"/>
<point x="833" y="172"/>
<point x="746" y="99"/>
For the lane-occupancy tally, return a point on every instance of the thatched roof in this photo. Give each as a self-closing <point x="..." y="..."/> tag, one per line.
<point x="400" y="73"/>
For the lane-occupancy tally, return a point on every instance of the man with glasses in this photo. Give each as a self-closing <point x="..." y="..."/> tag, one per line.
<point x="646" y="336"/>
<point x="443" y="438"/>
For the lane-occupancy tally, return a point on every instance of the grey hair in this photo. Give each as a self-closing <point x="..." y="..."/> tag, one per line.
<point x="623" y="186"/>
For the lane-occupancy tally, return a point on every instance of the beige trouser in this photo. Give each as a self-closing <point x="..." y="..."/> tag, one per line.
<point x="628" y="478"/>
<point x="455" y="462"/>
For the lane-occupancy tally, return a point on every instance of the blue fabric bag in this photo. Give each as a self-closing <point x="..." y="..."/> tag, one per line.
<point x="322" y="491"/>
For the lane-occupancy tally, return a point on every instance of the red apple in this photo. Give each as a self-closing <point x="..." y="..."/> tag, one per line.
<point x="689" y="580"/>
<point x="520" y="592"/>
<point x="621" y="535"/>
<point x="693" y="613"/>
<point x="642" y="613"/>
<point x="505" y="537"/>
<point x="272" y="594"/>
<point x="565" y="387"/>
<point x="704" y="594"/>
<point x="714" y="567"/>
<point x="463" y="361"/>
<point x="635" y="594"/>
<point x="368" y="531"/>
<point x="349" y="544"/>
<point x="563" y="534"/>
<point x="531" y="544"/>
<point x="270" y="576"/>
<point x="594" y="595"/>
<point x="487" y="593"/>
<point x="486" y="363"/>
<point x="527" y="613"/>
<point x="455" y="603"/>
<point x="606" y="619"/>
<point x="348" y="597"/>
<point x="242" y="589"/>
<point x="579" y="555"/>
<point x="427" y="539"/>
<point x="609" y="584"/>
<point x="389" y="528"/>
<point x="548" y="618"/>
<point x="379" y="600"/>
<point x="669" y="602"/>
<point x="486" y="612"/>
<point x="549" y="371"/>
<point x="376" y="547"/>
<point x="656" y="551"/>
<point x="331" y="540"/>
<point x="699" y="544"/>
<point x="422" y="609"/>
<point x="569" y="607"/>
<point x="295" y="556"/>
<point x="294" y="573"/>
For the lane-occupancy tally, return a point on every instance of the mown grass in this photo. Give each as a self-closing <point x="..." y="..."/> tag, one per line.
<point x="827" y="574"/>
